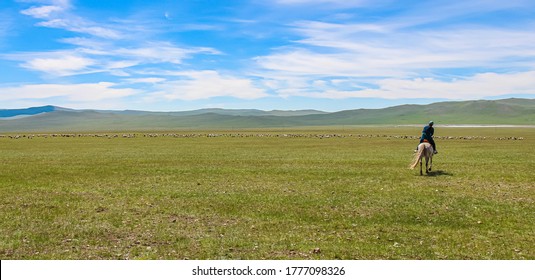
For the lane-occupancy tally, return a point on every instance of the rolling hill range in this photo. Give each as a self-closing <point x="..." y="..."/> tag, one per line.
<point x="10" y="113"/>
<point x="56" y="119"/>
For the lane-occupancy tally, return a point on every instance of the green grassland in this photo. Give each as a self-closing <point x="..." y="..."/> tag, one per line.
<point x="314" y="193"/>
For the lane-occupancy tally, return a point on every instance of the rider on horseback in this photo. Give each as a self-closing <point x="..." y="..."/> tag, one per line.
<point x="427" y="136"/>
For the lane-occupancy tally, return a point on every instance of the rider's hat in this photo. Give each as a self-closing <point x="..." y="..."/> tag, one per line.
<point x="431" y="122"/>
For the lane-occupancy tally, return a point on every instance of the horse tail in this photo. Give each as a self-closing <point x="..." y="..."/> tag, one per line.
<point x="417" y="157"/>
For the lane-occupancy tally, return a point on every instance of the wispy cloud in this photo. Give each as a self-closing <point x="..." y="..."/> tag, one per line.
<point x="327" y="3"/>
<point x="60" y="66"/>
<point x="149" y="80"/>
<point x="484" y="85"/>
<point x="390" y="59"/>
<point x="163" y="52"/>
<point x="103" y="46"/>
<point x="104" y="57"/>
<point x="368" y="49"/>
<point x="42" y="12"/>
<point x="334" y="49"/>
<point x="71" y="92"/>
<point x="5" y="24"/>
<point x="58" y="15"/>
<point x="444" y="11"/>
<point x="193" y="85"/>
<point x="481" y="85"/>
<point x="80" y="25"/>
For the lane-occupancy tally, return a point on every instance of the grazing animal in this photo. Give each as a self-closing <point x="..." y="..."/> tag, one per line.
<point x="425" y="149"/>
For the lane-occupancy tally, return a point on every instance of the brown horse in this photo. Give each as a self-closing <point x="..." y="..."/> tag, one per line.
<point x="424" y="150"/>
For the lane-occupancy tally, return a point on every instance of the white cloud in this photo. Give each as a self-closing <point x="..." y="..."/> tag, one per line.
<point x="383" y="61"/>
<point x="61" y="66"/>
<point x="72" y="92"/>
<point x="474" y="87"/>
<point x="87" y="43"/>
<point x="327" y="3"/>
<point x="376" y="47"/>
<point x="58" y="15"/>
<point x="6" y="23"/>
<point x="151" y="80"/>
<point x="161" y="52"/>
<point x="143" y="52"/>
<point x="354" y="55"/>
<point x="42" y="12"/>
<point x="104" y="57"/>
<point x="446" y="11"/>
<point x="120" y="64"/>
<point x="207" y="84"/>
<point x="82" y="26"/>
<point x="303" y="62"/>
<point x="104" y="46"/>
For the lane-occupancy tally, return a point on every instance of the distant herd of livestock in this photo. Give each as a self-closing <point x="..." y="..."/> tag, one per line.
<point x="235" y="135"/>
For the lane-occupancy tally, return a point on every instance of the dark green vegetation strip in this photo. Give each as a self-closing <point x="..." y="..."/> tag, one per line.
<point x="268" y="197"/>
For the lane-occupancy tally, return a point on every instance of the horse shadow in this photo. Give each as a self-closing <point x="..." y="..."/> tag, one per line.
<point x="436" y="173"/>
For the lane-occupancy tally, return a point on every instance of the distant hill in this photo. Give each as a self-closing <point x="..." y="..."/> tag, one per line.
<point x="55" y="119"/>
<point x="8" y="113"/>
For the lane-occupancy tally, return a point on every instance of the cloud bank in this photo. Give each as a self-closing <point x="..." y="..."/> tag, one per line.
<point x="349" y="50"/>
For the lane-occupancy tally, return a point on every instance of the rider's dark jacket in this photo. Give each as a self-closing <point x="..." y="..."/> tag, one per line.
<point x="427" y="133"/>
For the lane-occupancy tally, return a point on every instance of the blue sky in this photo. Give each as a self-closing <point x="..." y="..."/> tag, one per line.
<point x="282" y="54"/>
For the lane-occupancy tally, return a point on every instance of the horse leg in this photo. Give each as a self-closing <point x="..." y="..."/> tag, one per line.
<point x="430" y="162"/>
<point x="421" y="162"/>
<point x="426" y="165"/>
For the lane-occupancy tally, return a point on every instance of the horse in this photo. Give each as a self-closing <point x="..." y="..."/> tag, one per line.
<point x="424" y="150"/>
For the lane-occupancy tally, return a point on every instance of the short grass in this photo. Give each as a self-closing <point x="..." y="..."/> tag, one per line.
<point x="349" y="197"/>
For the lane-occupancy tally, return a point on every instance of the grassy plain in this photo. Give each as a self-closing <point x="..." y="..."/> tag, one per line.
<point x="277" y="197"/>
